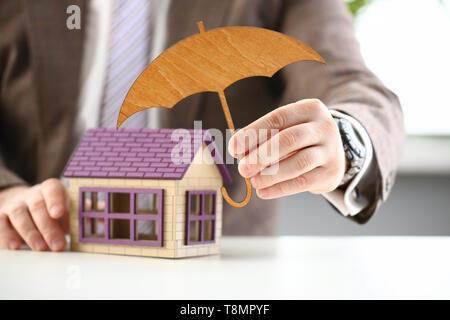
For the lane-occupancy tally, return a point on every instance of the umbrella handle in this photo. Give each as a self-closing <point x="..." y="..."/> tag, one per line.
<point x="243" y="202"/>
<point x="248" y="184"/>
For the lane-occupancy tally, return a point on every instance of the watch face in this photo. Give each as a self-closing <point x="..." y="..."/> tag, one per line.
<point x="353" y="148"/>
<point x="351" y="140"/>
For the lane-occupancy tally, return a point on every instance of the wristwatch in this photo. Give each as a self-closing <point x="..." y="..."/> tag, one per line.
<point x="355" y="152"/>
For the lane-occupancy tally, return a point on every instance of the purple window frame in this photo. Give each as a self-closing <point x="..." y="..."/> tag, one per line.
<point x="202" y="217"/>
<point x="132" y="216"/>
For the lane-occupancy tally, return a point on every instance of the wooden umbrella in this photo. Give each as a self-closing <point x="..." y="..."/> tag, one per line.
<point x="210" y="61"/>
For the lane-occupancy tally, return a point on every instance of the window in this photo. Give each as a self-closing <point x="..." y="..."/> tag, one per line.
<point x="425" y="103"/>
<point x="119" y="202"/>
<point x="93" y="201"/>
<point x="146" y="230"/>
<point x="119" y="229"/>
<point x="146" y="203"/>
<point x="94" y="227"/>
<point x="209" y="204"/>
<point x="200" y="217"/>
<point x="195" y="204"/>
<point x="121" y="216"/>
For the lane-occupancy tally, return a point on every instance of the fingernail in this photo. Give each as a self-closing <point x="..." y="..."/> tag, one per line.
<point x="254" y="181"/>
<point x="39" y="245"/>
<point x="237" y="145"/>
<point x="262" y="193"/>
<point x="58" y="244"/>
<point x="244" y="170"/>
<point x="232" y="149"/>
<point x="55" y="210"/>
<point x="13" y="245"/>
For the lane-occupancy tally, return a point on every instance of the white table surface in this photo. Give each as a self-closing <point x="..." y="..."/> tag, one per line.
<point x="248" y="268"/>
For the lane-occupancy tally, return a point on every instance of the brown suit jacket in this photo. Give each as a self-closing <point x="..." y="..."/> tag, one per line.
<point x="40" y="62"/>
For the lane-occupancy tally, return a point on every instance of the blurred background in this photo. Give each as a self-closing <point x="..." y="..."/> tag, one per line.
<point x="407" y="45"/>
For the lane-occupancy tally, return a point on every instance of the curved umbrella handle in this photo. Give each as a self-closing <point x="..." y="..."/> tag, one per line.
<point x="243" y="202"/>
<point x="248" y="184"/>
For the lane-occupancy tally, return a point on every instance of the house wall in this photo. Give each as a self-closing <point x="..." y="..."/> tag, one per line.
<point x="201" y="175"/>
<point x="169" y="186"/>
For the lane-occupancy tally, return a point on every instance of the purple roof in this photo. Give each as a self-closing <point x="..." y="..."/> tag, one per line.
<point x="140" y="153"/>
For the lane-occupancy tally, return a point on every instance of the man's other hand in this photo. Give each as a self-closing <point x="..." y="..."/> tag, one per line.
<point x="38" y="215"/>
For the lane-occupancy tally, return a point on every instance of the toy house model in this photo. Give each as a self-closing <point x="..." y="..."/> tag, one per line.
<point x="138" y="192"/>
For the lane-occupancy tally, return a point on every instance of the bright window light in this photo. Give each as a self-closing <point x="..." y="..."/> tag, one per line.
<point x="407" y="44"/>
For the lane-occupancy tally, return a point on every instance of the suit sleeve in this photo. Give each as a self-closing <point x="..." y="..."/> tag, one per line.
<point x="10" y="71"/>
<point x="7" y="177"/>
<point x="344" y="84"/>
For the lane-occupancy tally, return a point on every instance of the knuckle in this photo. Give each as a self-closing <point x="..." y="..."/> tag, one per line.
<point x="20" y="222"/>
<point x="303" y="161"/>
<point x="51" y="182"/>
<point x="283" y="189"/>
<point x="267" y="180"/>
<point x="277" y="119"/>
<point x="52" y="185"/>
<point x="287" y="138"/>
<point x="49" y="233"/>
<point x="16" y="209"/>
<point x="36" y="203"/>
<point x="317" y="134"/>
<point x="316" y="105"/>
<point x="300" y="182"/>
<point x="328" y="125"/>
<point x="32" y="236"/>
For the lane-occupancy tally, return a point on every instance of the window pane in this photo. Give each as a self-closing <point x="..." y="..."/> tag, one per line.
<point x="209" y="204"/>
<point x="93" y="201"/>
<point x="146" y="230"/>
<point x="119" y="202"/>
<point x="119" y="229"/>
<point x="146" y="203"/>
<point x="93" y="227"/>
<point x="194" y="231"/>
<point x="195" y="204"/>
<point x="208" y="230"/>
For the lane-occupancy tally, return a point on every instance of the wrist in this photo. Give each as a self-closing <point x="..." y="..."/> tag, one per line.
<point x="354" y="150"/>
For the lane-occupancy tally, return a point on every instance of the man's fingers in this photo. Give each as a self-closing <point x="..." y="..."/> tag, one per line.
<point x="283" y="117"/>
<point x="21" y="220"/>
<point x="55" y="195"/>
<point x="48" y="227"/>
<point x="279" y="146"/>
<point x="299" y="163"/>
<point x="9" y="239"/>
<point x="302" y="183"/>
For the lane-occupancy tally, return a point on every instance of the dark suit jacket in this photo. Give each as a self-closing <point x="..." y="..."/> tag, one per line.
<point x="40" y="62"/>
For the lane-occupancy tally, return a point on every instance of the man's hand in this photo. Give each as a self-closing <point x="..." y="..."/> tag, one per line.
<point x="310" y="154"/>
<point x="37" y="214"/>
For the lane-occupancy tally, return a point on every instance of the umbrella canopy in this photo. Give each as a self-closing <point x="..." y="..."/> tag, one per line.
<point x="211" y="61"/>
